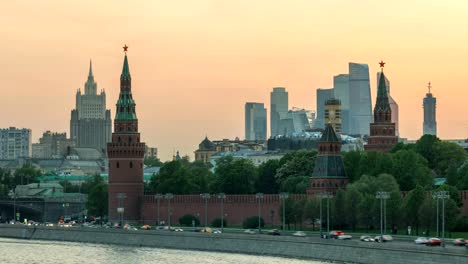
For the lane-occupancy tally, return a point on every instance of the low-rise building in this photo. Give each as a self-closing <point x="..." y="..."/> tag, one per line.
<point x="207" y="148"/>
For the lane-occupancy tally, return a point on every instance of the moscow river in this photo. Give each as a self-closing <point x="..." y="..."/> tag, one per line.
<point x="37" y="252"/>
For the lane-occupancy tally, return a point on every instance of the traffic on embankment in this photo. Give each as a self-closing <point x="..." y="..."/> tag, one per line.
<point x="302" y="247"/>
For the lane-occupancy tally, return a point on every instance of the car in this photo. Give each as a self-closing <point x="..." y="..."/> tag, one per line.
<point x="384" y="238"/>
<point x="274" y="232"/>
<point x="217" y="231"/>
<point x="299" y="234"/>
<point x="344" y="237"/>
<point x="146" y="227"/>
<point x="421" y="240"/>
<point x="249" y="231"/>
<point x="459" y="242"/>
<point x="207" y="230"/>
<point x="434" y="241"/>
<point x="367" y="239"/>
<point x="178" y="230"/>
<point x="335" y="233"/>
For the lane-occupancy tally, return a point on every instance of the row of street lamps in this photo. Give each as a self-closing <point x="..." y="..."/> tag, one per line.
<point x="383" y="196"/>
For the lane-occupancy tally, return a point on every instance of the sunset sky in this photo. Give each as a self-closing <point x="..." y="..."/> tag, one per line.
<point x="194" y="63"/>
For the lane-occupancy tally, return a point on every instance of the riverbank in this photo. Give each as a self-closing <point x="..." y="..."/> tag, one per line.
<point x="290" y="247"/>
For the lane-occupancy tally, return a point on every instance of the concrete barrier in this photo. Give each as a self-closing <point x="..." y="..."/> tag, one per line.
<point x="291" y="247"/>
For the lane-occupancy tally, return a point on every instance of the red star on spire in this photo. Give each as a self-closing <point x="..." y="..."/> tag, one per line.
<point x="125" y="48"/>
<point x="382" y="64"/>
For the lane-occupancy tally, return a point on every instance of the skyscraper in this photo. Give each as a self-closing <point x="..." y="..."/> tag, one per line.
<point x="278" y="108"/>
<point x="360" y="106"/>
<point x="90" y="123"/>
<point x="429" y="104"/>
<point x="322" y="96"/>
<point x="382" y="130"/>
<point x="392" y="102"/>
<point x="333" y="114"/>
<point x="255" y="121"/>
<point x="341" y="88"/>
<point x="125" y="154"/>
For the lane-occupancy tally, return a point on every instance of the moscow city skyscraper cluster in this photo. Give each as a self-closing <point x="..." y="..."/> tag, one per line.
<point x="351" y="93"/>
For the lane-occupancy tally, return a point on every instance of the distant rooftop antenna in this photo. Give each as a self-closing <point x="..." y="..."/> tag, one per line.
<point x="429" y="86"/>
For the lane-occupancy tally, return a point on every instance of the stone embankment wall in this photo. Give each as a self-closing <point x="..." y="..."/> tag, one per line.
<point x="292" y="247"/>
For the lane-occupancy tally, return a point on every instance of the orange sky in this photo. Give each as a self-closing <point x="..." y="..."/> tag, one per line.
<point x="194" y="63"/>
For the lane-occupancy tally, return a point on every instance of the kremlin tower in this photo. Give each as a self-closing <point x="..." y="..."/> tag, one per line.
<point x="125" y="154"/>
<point x="382" y="130"/>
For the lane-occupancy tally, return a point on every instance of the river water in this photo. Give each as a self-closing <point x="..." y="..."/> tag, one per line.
<point x="52" y="252"/>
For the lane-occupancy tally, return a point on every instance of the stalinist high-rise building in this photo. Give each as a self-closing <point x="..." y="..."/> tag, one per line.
<point x="90" y="123"/>
<point x="429" y="104"/>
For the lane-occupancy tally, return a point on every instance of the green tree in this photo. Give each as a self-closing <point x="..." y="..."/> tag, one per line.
<point x="217" y="222"/>
<point x="152" y="162"/>
<point x="351" y="161"/>
<point x="352" y="200"/>
<point x="182" y="177"/>
<point x="266" y="182"/>
<point x="311" y="211"/>
<point x="188" y="220"/>
<point x="234" y="176"/>
<point x="26" y="175"/>
<point x="252" y="222"/>
<point x="339" y="209"/>
<point x="427" y="214"/>
<point x="448" y="154"/>
<point x="98" y="200"/>
<point x="412" y="203"/>
<point x="295" y="164"/>
<point x="289" y="214"/>
<point x="410" y="169"/>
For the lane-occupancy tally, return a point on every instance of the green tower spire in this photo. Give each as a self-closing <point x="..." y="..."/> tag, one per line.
<point x="125" y="104"/>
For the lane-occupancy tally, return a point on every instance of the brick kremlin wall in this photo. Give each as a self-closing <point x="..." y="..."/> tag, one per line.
<point x="236" y="208"/>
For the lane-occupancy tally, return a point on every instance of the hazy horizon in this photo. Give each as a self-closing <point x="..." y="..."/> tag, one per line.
<point x="194" y="64"/>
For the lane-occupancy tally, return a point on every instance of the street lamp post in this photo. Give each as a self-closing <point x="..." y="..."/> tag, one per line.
<point x="437" y="213"/>
<point x="441" y="195"/>
<point x="158" y="197"/>
<point x="121" y="207"/>
<point x="383" y="196"/>
<point x="325" y="195"/>
<point x="259" y="197"/>
<point x="206" y="196"/>
<point x="168" y="197"/>
<point x="14" y="205"/>
<point x="222" y="196"/>
<point x="283" y="197"/>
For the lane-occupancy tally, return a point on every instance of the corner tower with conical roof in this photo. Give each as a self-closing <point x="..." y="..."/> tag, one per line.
<point x="329" y="172"/>
<point x="125" y="154"/>
<point x="382" y="130"/>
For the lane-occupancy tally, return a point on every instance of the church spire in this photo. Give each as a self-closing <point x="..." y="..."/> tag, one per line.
<point x="90" y="74"/>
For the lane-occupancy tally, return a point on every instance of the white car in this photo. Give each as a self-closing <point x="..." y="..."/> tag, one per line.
<point x="216" y="231"/>
<point x="178" y="230"/>
<point x="421" y="240"/>
<point x="249" y="231"/>
<point x="344" y="237"/>
<point x="299" y="234"/>
<point x="367" y="239"/>
<point x="384" y="238"/>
